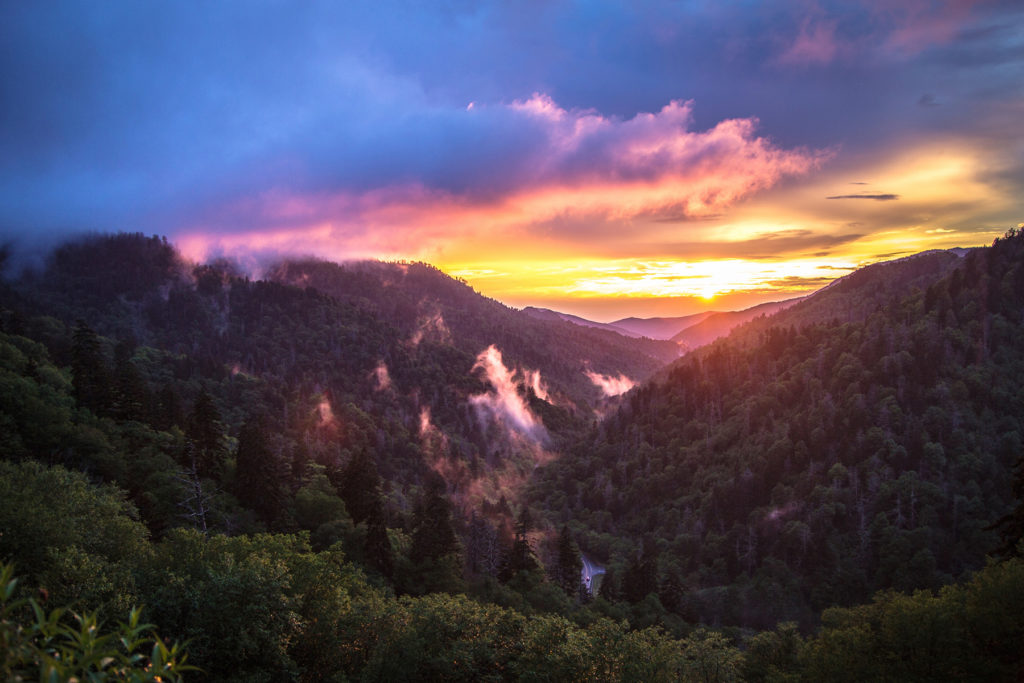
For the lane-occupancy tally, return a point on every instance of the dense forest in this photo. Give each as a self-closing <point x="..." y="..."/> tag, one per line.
<point x="861" y="440"/>
<point x="368" y="471"/>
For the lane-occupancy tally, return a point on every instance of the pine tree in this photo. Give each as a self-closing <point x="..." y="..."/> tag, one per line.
<point x="260" y="472"/>
<point x="379" y="552"/>
<point x="483" y="550"/>
<point x="90" y="375"/>
<point x="168" y="411"/>
<point x="360" y="486"/>
<point x="569" y="564"/>
<point x="1011" y="525"/>
<point x="131" y="395"/>
<point x="641" y="576"/>
<point x="520" y="556"/>
<point x="206" y="431"/>
<point x="609" y="586"/>
<point x="671" y="592"/>
<point x="433" y="536"/>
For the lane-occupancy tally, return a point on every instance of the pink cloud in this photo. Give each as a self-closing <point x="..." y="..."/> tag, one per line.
<point x="503" y="403"/>
<point x="609" y="385"/>
<point x="919" y="24"/>
<point x="588" y="166"/>
<point x="816" y="44"/>
<point x="897" y="30"/>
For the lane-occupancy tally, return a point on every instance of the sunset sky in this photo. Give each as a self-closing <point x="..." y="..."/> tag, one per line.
<point x="602" y="158"/>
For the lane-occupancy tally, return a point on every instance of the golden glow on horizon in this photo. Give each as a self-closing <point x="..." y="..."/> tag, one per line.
<point x="645" y="279"/>
<point x="563" y="244"/>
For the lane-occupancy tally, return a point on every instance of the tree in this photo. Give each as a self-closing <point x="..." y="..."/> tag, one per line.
<point x="89" y="371"/>
<point x="206" y="431"/>
<point x="434" y="555"/>
<point x="74" y="538"/>
<point x="261" y="472"/>
<point x="131" y="395"/>
<point x="1011" y="525"/>
<point x="433" y="536"/>
<point x="360" y="486"/>
<point x="609" y="586"/>
<point x="520" y="556"/>
<point x="671" y="591"/>
<point x="641" y="576"/>
<point x="379" y="553"/>
<point x="568" y="565"/>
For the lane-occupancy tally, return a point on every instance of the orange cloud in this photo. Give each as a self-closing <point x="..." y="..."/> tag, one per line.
<point x="591" y="171"/>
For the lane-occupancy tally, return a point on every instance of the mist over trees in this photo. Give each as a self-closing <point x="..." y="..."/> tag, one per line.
<point x="288" y="474"/>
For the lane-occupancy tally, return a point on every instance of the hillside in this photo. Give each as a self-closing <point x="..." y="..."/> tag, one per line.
<point x="716" y="325"/>
<point x="395" y="362"/>
<point x="861" y="440"/>
<point x="548" y="314"/>
<point x="185" y="410"/>
<point x="422" y="302"/>
<point x="660" y="328"/>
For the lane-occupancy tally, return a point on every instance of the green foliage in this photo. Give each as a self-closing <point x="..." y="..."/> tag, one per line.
<point x="568" y="564"/>
<point x="803" y="463"/>
<point x="68" y="536"/>
<point x="969" y="632"/>
<point x="773" y="656"/>
<point x="253" y="608"/>
<point x="860" y="440"/>
<point x="64" y="646"/>
<point x="260" y="471"/>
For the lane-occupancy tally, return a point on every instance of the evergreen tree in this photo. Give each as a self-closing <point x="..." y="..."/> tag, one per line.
<point x="360" y="486"/>
<point x="568" y="564"/>
<point x="90" y="375"/>
<point x="671" y="591"/>
<point x="168" y="411"/>
<point x="520" y="556"/>
<point x="260" y="472"/>
<point x="1011" y="525"/>
<point x="483" y="549"/>
<point x="641" y="575"/>
<point x="433" y="536"/>
<point x="206" y="431"/>
<point x="379" y="552"/>
<point x="131" y="395"/>
<point x="609" y="586"/>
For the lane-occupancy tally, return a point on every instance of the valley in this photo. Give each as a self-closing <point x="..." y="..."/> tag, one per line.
<point x="859" y="440"/>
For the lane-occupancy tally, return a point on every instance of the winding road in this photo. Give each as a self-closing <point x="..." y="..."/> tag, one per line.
<point x="588" y="572"/>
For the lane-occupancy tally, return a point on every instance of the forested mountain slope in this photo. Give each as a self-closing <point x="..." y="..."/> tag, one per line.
<point x="422" y="302"/>
<point x="156" y="419"/>
<point x="716" y="325"/>
<point x="861" y="440"/>
<point x="361" y="412"/>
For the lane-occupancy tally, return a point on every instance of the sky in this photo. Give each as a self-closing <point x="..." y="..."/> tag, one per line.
<point x="607" y="159"/>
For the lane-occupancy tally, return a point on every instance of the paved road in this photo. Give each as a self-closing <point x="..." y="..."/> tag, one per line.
<point x="589" y="571"/>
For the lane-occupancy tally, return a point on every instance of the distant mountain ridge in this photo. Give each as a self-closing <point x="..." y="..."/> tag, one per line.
<point x="716" y="325"/>
<point x="661" y="328"/>
<point x="548" y="314"/>
<point x="688" y="331"/>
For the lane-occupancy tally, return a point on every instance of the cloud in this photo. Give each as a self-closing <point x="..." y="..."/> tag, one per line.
<point x="815" y="44"/>
<point x="875" y="30"/>
<point x="877" y="196"/>
<point x="502" y="402"/>
<point x="534" y="381"/>
<point x="382" y="377"/>
<point x="610" y="386"/>
<point x="430" y="326"/>
<point x="567" y="165"/>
